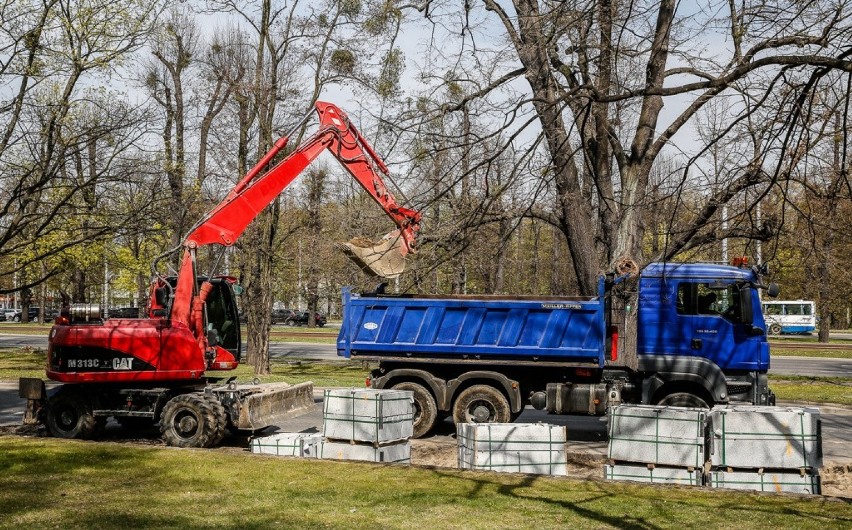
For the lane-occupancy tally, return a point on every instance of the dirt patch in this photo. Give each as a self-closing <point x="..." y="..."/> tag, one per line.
<point x="837" y="480"/>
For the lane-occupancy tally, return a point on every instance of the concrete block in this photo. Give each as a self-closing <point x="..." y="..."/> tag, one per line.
<point x="287" y="444"/>
<point x="513" y="447"/>
<point x="654" y="474"/>
<point x="751" y="437"/>
<point x="668" y="436"/>
<point x="775" y="481"/>
<point x="399" y="453"/>
<point x="368" y="415"/>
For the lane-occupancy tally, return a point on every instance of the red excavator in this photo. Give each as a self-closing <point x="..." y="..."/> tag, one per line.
<point x="152" y="370"/>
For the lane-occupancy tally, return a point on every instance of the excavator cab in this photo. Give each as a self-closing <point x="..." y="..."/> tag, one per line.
<point x="223" y="323"/>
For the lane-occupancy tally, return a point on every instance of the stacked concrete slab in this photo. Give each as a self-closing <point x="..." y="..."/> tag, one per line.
<point x="304" y="445"/>
<point x="654" y="474"/>
<point x="513" y="447"/>
<point x="368" y="425"/>
<point x="657" y="444"/>
<point x="358" y="424"/>
<point x="765" y="448"/>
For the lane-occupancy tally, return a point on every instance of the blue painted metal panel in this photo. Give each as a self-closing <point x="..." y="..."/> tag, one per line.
<point x="529" y="328"/>
<point x="663" y="331"/>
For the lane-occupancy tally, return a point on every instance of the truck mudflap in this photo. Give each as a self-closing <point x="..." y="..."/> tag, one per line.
<point x="261" y="406"/>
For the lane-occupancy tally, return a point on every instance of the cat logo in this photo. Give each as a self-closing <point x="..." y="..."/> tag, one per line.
<point x="119" y="363"/>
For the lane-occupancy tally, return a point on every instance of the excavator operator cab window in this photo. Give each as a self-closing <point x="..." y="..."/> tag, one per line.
<point x="222" y="316"/>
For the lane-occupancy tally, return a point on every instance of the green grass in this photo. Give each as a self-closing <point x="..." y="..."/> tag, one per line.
<point x="811" y="352"/>
<point x="812" y="389"/>
<point x="63" y="483"/>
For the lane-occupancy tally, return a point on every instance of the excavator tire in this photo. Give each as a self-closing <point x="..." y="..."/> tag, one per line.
<point x="221" y="418"/>
<point x="69" y="415"/>
<point x="189" y="420"/>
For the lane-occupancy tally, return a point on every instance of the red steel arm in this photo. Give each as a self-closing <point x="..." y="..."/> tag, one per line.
<point x="225" y="223"/>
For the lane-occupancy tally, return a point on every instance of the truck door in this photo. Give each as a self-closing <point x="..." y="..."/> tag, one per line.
<point x="712" y="312"/>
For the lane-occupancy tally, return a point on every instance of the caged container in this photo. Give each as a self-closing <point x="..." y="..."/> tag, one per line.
<point x="749" y="437"/>
<point x="513" y="447"/>
<point x="654" y="474"/>
<point x="398" y="453"/>
<point x="368" y="415"/>
<point x="670" y="436"/>
<point x="775" y="481"/>
<point x="287" y="444"/>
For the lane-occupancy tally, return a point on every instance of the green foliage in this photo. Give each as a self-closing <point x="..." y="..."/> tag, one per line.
<point x="343" y="61"/>
<point x="392" y="66"/>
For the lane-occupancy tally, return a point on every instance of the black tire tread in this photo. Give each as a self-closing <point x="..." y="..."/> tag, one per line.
<point x="209" y="424"/>
<point x="425" y="402"/>
<point x="503" y="412"/>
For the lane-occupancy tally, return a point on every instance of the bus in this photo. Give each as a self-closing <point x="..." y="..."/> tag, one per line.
<point x="789" y="316"/>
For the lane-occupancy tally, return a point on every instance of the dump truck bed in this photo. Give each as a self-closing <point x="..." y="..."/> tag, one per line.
<point x="449" y="328"/>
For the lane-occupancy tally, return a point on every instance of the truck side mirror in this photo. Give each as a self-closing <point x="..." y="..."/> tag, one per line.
<point x="773" y="290"/>
<point x="746" y="313"/>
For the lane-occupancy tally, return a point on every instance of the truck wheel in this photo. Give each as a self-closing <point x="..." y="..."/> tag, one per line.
<point x="69" y="415"/>
<point x="481" y="404"/>
<point x="775" y="329"/>
<point x="683" y="399"/>
<point x="425" y="408"/>
<point x="188" y="420"/>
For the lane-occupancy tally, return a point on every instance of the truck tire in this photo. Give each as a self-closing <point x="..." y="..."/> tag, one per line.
<point x="69" y="415"/>
<point x="775" y="329"/>
<point x="425" y="408"/>
<point x="683" y="399"/>
<point x="188" y="420"/>
<point x="481" y="404"/>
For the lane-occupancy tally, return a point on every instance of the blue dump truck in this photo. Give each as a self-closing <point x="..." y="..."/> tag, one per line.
<point x="700" y="340"/>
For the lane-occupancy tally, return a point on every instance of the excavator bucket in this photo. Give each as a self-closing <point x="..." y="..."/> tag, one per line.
<point x="270" y="404"/>
<point x="385" y="257"/>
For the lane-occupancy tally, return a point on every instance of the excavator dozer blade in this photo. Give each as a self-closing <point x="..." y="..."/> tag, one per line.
<point x="383" y="258"/>
<point x="270" y="404"/>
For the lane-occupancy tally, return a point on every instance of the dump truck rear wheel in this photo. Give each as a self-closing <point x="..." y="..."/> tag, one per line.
<point x="683" y="399"/>
<point x="425" y="408"/>
<point x="69" y="415"/>
<point x="481" y="404"/>
<point x="188" y="420"/>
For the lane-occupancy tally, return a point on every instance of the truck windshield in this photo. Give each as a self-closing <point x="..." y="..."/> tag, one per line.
<point x="700" y="299"/>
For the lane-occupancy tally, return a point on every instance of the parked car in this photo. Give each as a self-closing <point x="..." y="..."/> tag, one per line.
<point x="301" y="319"/>
<point x="14" y="315"/>
<point x="282" y="316"/>
<point x="124" y="312"/>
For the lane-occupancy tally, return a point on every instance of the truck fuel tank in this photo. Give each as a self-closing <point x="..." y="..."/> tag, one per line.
<point x="568" y="398"/>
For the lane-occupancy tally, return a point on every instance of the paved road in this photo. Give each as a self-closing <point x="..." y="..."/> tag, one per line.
<point x="302" y="350"/>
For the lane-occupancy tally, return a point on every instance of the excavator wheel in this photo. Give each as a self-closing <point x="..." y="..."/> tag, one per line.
<point x="189" y="420"/>
<point x="69" y="415"/>
<point x="221" y="418"/>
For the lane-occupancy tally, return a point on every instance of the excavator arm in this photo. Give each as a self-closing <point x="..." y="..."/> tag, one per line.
<point x="225" y="223"/>
<point x="228" y="220"/>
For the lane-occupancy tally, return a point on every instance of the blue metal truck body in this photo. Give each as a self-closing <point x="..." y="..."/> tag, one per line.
<point x="700" y="340"/>
<point x="564" y="330"/>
